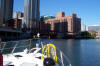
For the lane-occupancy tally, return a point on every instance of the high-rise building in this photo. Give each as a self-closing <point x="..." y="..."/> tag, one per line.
<point x="18" y="15"/>
<point x="61" y="14"/>
<point x="32" y="13"/>
<point x="74" y="24"/>
<point x="83" y="27"/>
<point x="0" y="15"/>
<point x="64" y="24"/>
<point x="95" y="28"/>
<point x="15" y="23"/>
<point x="6" y="11"/>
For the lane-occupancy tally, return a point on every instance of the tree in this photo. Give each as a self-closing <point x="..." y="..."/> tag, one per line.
<point x="86" y="34"/>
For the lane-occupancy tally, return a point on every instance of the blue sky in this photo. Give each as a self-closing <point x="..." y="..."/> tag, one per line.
<point x="87" y="10"/>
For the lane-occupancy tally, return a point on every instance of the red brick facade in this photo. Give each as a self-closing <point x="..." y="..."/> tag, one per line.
<point x="60" y="14"/>
<point x="14" y="23"/>
<point x="63" y="24"/>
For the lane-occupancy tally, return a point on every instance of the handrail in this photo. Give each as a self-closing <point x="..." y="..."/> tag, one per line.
<point x="62" y="55"/>
<point x="3" y="46"/>
<point x="61" y="58"/>
<point x="14" y="48"/>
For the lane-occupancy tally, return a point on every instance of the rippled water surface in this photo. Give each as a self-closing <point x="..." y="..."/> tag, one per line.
<point x="80" y="52"/>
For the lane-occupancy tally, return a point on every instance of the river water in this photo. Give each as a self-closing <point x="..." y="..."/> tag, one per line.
<point x="80" y="52"/>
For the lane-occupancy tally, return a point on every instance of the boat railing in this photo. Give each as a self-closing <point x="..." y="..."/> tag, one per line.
<point x="2" y="46"/>
<point x="16" y="46"/>
<point x="63" y="59"/>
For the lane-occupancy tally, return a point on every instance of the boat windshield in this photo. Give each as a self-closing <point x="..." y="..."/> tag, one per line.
<point x="17" y="46"/>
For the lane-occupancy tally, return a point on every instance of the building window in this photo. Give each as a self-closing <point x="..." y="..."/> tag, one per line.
<point x="71" y="24"/>
<point x="35" y="8"/>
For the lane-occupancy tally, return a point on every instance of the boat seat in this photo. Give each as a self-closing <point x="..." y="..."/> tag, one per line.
<point x="6" y="63"/>
<point x="29" y="64"/>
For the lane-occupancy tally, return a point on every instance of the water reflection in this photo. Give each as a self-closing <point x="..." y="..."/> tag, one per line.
<point x="73" y="50"/>
<point x="90" y="53"/>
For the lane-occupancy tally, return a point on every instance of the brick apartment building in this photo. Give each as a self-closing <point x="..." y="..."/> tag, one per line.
<point x="62" y="24"/>
<point x="14" y="23"/>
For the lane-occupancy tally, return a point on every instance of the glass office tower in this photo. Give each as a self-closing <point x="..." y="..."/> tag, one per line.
<point x="32" y="14"/>
<point x="6" y="11"/>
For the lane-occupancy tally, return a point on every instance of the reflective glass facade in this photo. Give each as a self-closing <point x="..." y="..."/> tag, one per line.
<point x="31" y="13"/>
<point x="0" y="3"/>
<point x="6" y="11"/>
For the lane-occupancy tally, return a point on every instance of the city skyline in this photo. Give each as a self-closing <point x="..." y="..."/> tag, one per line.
<point x="85" y="9"/>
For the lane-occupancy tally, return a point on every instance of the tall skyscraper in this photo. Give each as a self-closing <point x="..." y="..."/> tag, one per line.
<point x="6" y="11"/>
<point x="32" y="13"/>
<point x="83" y="27"/>
<point x="0" y="14"/>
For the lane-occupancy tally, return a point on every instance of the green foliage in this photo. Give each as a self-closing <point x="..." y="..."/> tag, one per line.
<point x="88" y="35"/>
<point x="93" y="36"/>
